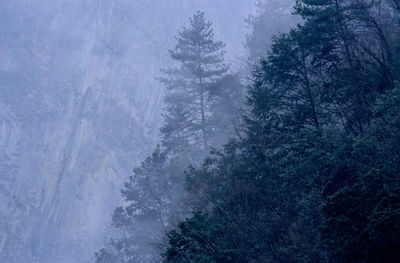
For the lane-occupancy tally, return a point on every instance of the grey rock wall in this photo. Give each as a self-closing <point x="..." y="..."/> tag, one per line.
<point x="79" y="109"/>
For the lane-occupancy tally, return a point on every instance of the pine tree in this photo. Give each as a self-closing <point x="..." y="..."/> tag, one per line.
<point x="314" y="176"/>
<point x="200" y="64"/>
<point x="197" y="91"/>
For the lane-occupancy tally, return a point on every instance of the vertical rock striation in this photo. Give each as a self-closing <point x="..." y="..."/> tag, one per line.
<point x="79" y="108"/>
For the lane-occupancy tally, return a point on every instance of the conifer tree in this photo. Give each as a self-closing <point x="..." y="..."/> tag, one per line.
<point x="198" y="91"/>
<point x="200" y="64"/>
<point x="314" y="176"/>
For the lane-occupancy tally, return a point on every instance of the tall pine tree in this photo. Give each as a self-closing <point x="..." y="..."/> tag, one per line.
<point x="200" y="64"/>
<point x="198" y="91"/>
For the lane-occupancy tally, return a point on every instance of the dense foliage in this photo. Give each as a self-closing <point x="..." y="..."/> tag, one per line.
<point x="313" y="174"/>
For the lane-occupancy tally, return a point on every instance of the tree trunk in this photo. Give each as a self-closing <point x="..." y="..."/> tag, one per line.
<point x="203" y="117"/>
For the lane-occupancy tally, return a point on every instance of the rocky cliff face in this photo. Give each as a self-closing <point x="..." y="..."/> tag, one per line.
<point x="79" y="108"/>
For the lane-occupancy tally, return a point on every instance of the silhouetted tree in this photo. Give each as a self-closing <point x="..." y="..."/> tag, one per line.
<point x="189" y="94"/>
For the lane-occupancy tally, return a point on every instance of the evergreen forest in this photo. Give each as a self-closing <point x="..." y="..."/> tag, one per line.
<point x="294" y="157"/>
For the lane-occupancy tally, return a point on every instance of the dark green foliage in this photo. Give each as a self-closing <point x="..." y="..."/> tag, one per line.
<point x="314" y="176"/>
<point x="362" y="221"/>
<point x="264" y="212"/>
<point x="314" y="173"/>
<point x="191" y="242"/>
<point x="197" y="239"/>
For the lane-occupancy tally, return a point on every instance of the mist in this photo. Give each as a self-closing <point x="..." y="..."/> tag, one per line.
<point x="199" y="131"/>
<point x="80" y="108"/>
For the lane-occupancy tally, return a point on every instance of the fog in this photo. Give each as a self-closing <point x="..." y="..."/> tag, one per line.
<point x="80" y="108"/>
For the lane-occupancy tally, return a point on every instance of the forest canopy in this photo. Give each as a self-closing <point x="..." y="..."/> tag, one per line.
<point x="310" y="173"/>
